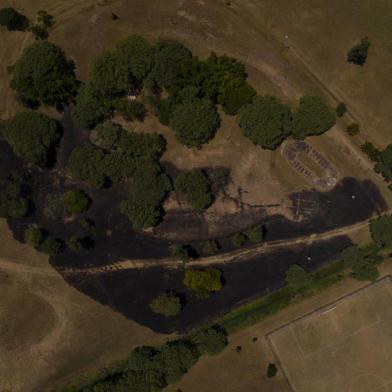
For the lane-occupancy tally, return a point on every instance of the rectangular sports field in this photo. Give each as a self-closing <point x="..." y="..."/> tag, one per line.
<point x="345" y="346"/>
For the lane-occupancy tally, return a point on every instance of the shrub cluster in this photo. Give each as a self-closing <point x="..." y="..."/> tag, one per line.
<point x="14" y="201"/>
<point x="203" y="282"/>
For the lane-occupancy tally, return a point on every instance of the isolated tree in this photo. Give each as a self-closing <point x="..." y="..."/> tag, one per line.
<point x="313" y="117"/>
<point x="169" y="56"/>
<point x="33" y="236"/>
<point x="358" y="53"/>
<point x="384" y="161"/>
<point x="167" y="304"/>
<point x="266" y="121"/>
<point x="210" y="340"/>
<point x="203" y="282"/>
<point x="194" y="186"/>
<point x="44" y="75"/>
<point x="12" y="19"/>
<point x="194" y="122"/>
<point x="381" y="230"/>
<point x="271" y="370"/>
<point x="76" y="202"/>
<point x="297" y="277"/>
<point x="33" y="137"/>
<point x="341" y="109"/>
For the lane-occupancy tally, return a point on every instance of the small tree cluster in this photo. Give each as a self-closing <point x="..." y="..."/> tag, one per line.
<point x="76" y="202"/>
<point x="195" y="188"/>
<point x="297" y="277"/>
<point x="42" y="25"/>
<point x="33" y="137"/>
<point x="371" y="151"/>
<point x="353" y="129"/>
<point x="203" y="282"/>
<point x="384" y="162"/>
<point x="167" y="304"/>
<point x="381" y="230"/>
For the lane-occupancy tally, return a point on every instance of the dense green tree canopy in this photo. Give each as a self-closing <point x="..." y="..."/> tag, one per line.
<point x="14" y="202"/>
<point x="137" y="54"/>
<point x="313" y="117"/>
<point x="210" y="340"/>
<point x="297" y="277"/>
<point x="169" y="56"/>
<point x="108" y="135"/>
<point x="33" y="137"/>
<point x="381" y="230"/>
<point x="52" y="246"/>
<point x="12" y="19"/>
<point x="266" y="121"/>
<point x="203" y="282"/>
<point x="194" y="186"/>
<point x="384" y="161"/>
<point x="167" y="304"/>
<point x="44" y="75"/>
<point x="235" y="94"/>
<point x="86" y="163"/>
<point x="194" y="122"/>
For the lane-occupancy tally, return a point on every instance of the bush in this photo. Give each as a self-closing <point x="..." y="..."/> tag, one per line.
<point x="33" y="236"/>
<point x="181" y="252"/>
<point x="167" y="304"/>
<point x="44" y="75"/>
<point x="39" y="32"/>
<point x="372" y="152"/>
<point x="130" y="110"/>
<point x="203" y="282"/>
<point x="341" y="109"/>
<point x="313" y="117"/>
<point x="384" y="162"/>
<point x="238" y="240"/>
<point x="353" y="129"/>
<point x="381" y="230"/>
<point x="194" y="187"/>
<point x="52" y="246"/>
<point x="266" y="121"/>
<point x="77" y="244"/>
<point x="13" y="20"/>
<point x="33" y="137"/>
<point x="297" y="277"/>
<point x="13" y="197"/>
<point x="271" y="370"/>
<point x="210" y="340"/>
<point x="210" y="247"/>
<point x="86" y="163"/>
<point x="194" y="122"/>
<point x="358" y="53"/>
<point x="76" y="202"/>
<point x="169" y="57"/>
<point x="256" y="234"/>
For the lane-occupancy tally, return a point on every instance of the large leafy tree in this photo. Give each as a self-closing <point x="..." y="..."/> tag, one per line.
<point x="44" y="75"/>
<point x="313" y="117"/>
<point x="381" y="230"/>
<point x="137" y="55"/>
<point x="169" y="57"/>
<point x="194" y="122"/>
<point x="266" y="121"/>
<point x="194" y="187"/>
<point x="384" y="161"/>
<point x="12" y="19"/>
<point x="33" y="137"/>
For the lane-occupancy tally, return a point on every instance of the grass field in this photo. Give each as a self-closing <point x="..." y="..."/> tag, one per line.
<point x="344" y="346"/>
